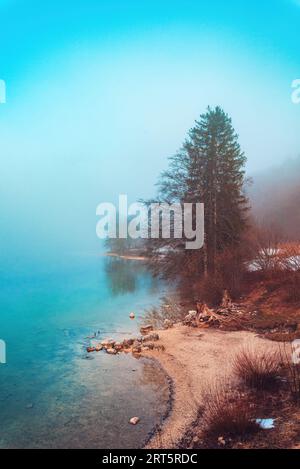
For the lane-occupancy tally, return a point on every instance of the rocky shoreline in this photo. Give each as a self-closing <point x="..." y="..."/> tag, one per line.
<point x="138" y="347"/>
<point x="192" y="353"/>
<point x="143" y="343"/>
<point x="201" y="317"/>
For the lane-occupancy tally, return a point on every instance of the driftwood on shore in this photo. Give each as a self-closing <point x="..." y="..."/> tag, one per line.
<point x="203" y="316"/>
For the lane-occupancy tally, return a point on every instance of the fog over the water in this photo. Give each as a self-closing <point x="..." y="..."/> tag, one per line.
<point x="99" y="96"/>
<point x="275" y="199"/>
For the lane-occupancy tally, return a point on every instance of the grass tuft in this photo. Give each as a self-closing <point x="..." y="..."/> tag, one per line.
<point x="227" y="413"/>
<point x="258" y="370"/>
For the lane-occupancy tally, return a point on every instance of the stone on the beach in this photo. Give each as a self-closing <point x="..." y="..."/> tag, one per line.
<point x="98" y="347"/>
<point x="158" y="347"/>
<point x="146" y="329"/>
<point x="111" y="351"/>
<point x="128" y="343"/>
<point x="168" y="324"/>
<point x="190" y="318"/>
<point x="90" y="349"/>
<point x="118" y="346"/>
<point x="134" y="420"/>
<point x="150" y="337"/>
<point x="150" y="345"/>
<point x="203" y="315"/>
<point x="108" y="343"/>
<point x="132" y="315"/>
<point x="136" y="348"/>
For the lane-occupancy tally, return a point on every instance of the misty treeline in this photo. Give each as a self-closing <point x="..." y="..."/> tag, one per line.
<point x="210" y="168"/>
<point x="275" y="199"/>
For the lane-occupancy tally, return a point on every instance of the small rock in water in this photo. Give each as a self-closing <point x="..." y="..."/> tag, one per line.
<point x="108" y="343"/>
<point x="118" y="345"/>
<point x="127" y="343"/>
<point x="29" y="406"/>
<point x="134" y="420"/>
<point x="132" y="315"/>
<point x="111" y="351"/>
<point x="98" y="347"/>
<point x="91" y="349"/>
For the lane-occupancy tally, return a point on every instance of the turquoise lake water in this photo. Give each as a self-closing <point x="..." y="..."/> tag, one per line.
<point x="52" y="393"/>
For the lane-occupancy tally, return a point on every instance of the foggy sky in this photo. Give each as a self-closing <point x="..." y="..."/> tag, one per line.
<point x="100" y="93"/>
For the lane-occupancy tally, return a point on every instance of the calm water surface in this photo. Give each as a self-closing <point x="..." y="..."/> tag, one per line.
<point x="54" y="394"/>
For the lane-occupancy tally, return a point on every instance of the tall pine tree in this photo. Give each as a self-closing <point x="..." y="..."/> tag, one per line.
<point x="209" y="168"/>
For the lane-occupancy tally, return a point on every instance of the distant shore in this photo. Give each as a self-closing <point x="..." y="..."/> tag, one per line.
<point x="192" y="359"/>
<point x="132" y="257"/>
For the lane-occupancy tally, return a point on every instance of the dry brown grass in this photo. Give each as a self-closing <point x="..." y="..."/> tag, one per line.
<point x="170" y="308"/>
<point x="258" y="370"/>
<point x="227" y="412"/>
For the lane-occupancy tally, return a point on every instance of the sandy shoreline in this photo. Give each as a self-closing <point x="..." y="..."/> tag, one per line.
<point x="130" y="257"/>
<point x="193" y="358"/>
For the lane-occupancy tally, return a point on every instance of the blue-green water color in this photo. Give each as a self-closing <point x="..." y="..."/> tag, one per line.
<point x="52" y="393"/>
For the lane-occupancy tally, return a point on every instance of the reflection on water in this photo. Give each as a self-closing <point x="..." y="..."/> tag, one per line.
<point x="125" y="276"/>
<point x="121" y="278"/>
<point x="50" y="395"/>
